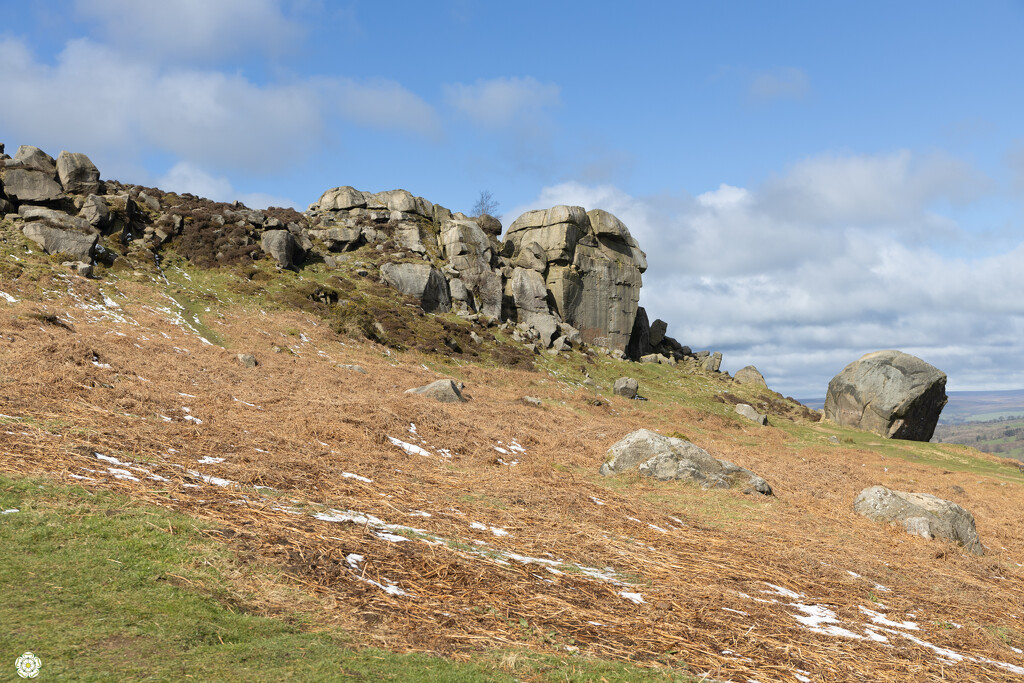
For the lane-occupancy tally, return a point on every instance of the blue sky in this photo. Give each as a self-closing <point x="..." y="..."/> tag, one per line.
<point x="811" y="180"/>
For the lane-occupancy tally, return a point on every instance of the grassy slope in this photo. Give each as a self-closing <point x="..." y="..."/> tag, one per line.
<point x="101" y="588"/>
<point x="125" y="622"/>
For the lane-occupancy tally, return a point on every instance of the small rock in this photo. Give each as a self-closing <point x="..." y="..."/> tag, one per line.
<point x="443" y="390"/>
<point x="532" y="401"/>
<point x="920" y="514"/>
<point x="833" y="439"/>
<point x="354" y="368"/>
<point x="626" y="386"/>
<point x="80" y="268"/>
<point x="247" y="360"/>
<point x="748" y="412"/>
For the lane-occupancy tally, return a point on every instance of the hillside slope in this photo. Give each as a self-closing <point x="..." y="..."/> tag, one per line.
<point x="468" y="529"/>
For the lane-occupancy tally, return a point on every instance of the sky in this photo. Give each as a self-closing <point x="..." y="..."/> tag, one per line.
<point x="811" y="181"/>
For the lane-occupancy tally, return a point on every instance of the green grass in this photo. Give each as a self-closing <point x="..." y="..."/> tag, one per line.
<point x="100" y="589"/>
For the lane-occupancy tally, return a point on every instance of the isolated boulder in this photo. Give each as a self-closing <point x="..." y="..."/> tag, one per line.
<point x="77" y="245"/>
<point x="419" y="280"/>
<point x="443" y="390"/>
<point x="626" y="387"/>
<point x="890" y="393"/>
<point x="77" y="173"/>
<point x="750" y="375"/>
<point x="246" y="360"/>
<point x="751" y="414"/>
<point x="920" y="514"/>
<point x="282" y="246"/>
<point x="666" y="457"/>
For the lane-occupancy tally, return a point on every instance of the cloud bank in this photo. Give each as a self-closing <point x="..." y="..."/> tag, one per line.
<point x="832" y="259"/>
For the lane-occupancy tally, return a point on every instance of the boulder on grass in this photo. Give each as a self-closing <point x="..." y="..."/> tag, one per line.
<point x="443" y="390"/>
<point x="751" y="414"/>
<point x="667" y="458"/>
<point x="890" y="393"/>
<point x="920" y="514"/>
<point x="77" y="245"/>
<point x="626" y="387"/>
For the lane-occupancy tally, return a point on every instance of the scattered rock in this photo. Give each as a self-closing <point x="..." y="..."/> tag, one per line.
<point x="750" y="413"/>
<point x="80" y="268"/>
<point x="532" y="401"/>
<point x="890" y="393"/>
<point x="920" y="514"/>
<point x="626" y="387"/>
<point x="750" y="375"/>
<point x="247" y="360"/>
<point x="354" y="368"/>
<point x="95" y="211"/>
<point x="443" y="390"/>
<point x="833" y="439"/>
<point x="665" y="458"/>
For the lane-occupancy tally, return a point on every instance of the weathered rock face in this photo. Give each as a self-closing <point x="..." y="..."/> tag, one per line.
<point x="890" y="393"/>
<point x="920" y="514"/>
<point x="472" y="259"/>
<point x="420" y="280"/>
<point x="591" y="267"/>
<point x="665" y="457"/>
<point x="27" y="185"/>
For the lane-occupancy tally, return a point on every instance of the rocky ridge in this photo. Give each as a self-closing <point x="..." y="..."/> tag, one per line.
<point x="562" y="278"/>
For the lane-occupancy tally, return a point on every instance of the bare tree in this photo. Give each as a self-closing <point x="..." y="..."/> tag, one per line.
<point x="485" y="204"/>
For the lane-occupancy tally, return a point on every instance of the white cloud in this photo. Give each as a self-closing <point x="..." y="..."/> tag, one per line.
<point x="95" y="99"/>
<point x="801" y="288"/>
<point x="786" y="83"/>
<point x="503" y="103"/>
<point x="192" y="30"/>
<point x="386" y="105"/>
<point x="184" y="177"/>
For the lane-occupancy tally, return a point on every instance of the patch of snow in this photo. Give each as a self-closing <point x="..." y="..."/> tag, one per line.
<point x="11" y="511"/>
<point x="881" y="620"/>
<point x="657" y="528"/>
<point x="736" y="611"/>
<point x="498" y="531"/>
<point x="353" y="560"/>
<point x="420" y="513"/>
<point x="409" y="448"/>
<point x="941" y="651"/>
<point x="349" y="475"/>
<point x="784" y="592"/>
<point x="10" y="299"/>
<point x="508" y="464"/>
<point x="105" y="366"/>
<point x="820" y="619"/>
<point x="1002" y="665"/>
<point x="501" y="450"/>
<point x="412" y="429"/>
<point x="260" y="450"/>
<point x="853" y="574"/>
<point x="595" y="623"/>
<point x="79" y="476"/>
<point x="478" y="525"/>
<point x="515" y="447"/>
<point x="633" y="597"/>
<point x="245" y="403"/>
<point x="122" y="474"/>
<point x="193" y="418"/>
<point x="597" y="501"/>
<point x="209" y="460"/>
<point x="111" y="460"/>
<point x="801" y="678"/>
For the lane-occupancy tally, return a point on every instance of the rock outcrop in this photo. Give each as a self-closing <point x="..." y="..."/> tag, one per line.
<point x="419" y="280"/>
<point x="890" y="393"/>
<point x="750" y="375"/>
<point x="665" y="458"/>
<point x="920" y="514"/>
<point x="591" y="269"/>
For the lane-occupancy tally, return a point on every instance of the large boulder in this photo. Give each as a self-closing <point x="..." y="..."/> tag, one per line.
<point x="77" y="173"/>
<point x="666" y="457"/>
<point x="283" y="246"/>
<point x="891" y="393"/>
<point x="750" y="375"/>
<point x="77" y="245"/>
<point x="419" y="280"/>
<point x="591" y="266"/>
<point x="920" y="514"/>
<point x="35" y="159"/>
<point x="29" y="185"/>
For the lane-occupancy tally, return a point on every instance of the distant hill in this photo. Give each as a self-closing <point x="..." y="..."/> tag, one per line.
<point x="967" y="406"/>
